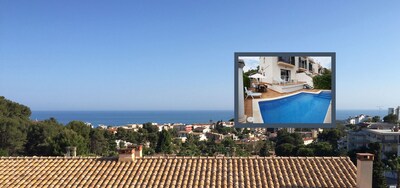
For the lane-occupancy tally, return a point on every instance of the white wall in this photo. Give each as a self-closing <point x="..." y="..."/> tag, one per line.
<point x="303" y="77"/>
<point x="271" y="70"/>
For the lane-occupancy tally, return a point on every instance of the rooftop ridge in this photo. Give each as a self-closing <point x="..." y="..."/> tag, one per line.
<point x="177" y="157"/>
<point x="56" y="157"/>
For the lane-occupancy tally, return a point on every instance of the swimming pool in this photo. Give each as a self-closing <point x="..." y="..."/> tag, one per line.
<point x="298" y="108"/>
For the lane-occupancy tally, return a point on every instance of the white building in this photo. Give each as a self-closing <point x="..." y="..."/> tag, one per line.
<point x="395" y="111"/>
<point x="307" y="141"/>
<point x="358" y="119"/>
<point x="390" y="111"/>
<point x="201" y="136"/>
<point x="182" y="135"/>
<point x="352" y="121"/>
<point x="389" y="138"/>
<point x="122" y="143"/>
<point x="289" y="69"/>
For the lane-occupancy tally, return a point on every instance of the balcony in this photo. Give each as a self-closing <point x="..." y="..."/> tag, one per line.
<point x="301" y="69"/>
<point x="287" y="62"/>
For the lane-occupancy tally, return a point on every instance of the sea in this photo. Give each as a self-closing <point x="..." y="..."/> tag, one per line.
<point x="115" y="118"/>
<point x="344" y="114"/>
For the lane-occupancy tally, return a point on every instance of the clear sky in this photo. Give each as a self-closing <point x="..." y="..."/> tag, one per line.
<point x="131" y="55"/>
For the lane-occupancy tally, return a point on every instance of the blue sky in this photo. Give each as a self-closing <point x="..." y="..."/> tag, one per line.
<point x="134" y="55"/>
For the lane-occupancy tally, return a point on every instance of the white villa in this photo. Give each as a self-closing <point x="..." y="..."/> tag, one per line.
<point x="291" y="71"/>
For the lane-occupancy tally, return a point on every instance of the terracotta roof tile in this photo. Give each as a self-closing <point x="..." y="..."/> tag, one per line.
<point x="177" y="172"/>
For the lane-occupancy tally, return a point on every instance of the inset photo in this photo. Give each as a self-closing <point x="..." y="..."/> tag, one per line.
<point x="284" y="89"/>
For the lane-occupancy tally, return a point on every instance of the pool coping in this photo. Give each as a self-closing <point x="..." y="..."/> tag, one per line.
<point x="257" y="118"/>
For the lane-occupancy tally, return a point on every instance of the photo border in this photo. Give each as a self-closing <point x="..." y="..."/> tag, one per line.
<point x="286" y="125"/>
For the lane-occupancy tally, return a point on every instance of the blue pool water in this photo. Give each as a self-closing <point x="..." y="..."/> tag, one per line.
<point x="299" y="108"/>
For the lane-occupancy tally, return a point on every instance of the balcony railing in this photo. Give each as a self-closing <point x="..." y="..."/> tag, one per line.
<point x="286" y="61"/>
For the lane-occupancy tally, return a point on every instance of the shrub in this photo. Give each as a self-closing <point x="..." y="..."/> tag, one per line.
<point x="323" y="81"/>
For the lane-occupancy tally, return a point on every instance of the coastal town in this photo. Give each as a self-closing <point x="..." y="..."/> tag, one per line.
<point x="356" y="138"/>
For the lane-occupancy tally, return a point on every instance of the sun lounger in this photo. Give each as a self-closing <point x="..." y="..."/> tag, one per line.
<point x="251" y="94"/>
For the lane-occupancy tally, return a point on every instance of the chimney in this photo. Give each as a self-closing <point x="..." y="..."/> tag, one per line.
<point x="138" y="151"/>
<point x="71" y="151"/>
<point x="364" y="170"/>
<point x="126" y="154"/>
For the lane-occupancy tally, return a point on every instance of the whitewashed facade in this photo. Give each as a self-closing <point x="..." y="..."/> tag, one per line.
<point x="289" y="69"/>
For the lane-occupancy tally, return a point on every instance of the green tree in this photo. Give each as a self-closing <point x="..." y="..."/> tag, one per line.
<point x="98" y="142"/>
<point x="67" y="138"/>
<point x="379" y="179"/>
<point x="14" y="120"/>
<point x="219" y="128"/>
<point x="331" y="136"/>
<point x="285" y="149"/>
<point x="322" y="149"/>
<point x="391" y="118"/>
<point x="264" y="151"/>
<point x="376" y="119"/>
<point x="41" y="136"/>
<point x="112" y="145"/>
<point x="191" y="147"/>
<point x="164" y="144"/>
<point x="292" y="138"/>
<point x="305" y="151"/>
<point x="323" y="81"/>
<point x="81" y="128"/>
<point x="394" y="164"/>
<point x="12" y="136"/>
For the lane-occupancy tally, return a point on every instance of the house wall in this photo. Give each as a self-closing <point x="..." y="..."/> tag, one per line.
<point x="272" y="71"/>
<point x="267" y="68"/>
<point x="303" y="77"/>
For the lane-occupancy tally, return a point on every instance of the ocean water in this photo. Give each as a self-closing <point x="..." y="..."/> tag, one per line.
<point x="113" y="118"/>
<point x="344" y="114"/>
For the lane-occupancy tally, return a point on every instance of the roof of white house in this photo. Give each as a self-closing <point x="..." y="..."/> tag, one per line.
<point x="382" y="131"/>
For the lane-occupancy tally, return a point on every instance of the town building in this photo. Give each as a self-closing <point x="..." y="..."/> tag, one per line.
<point x="390" y="111"/>
<point x="308" y="140"/>
<point x="358" y="119"/>
<point x="395" y="111"/>
<point x="214" y="136"/>
<point x="183" y="127"/>
<point x="200" y="135"/>
<point x="389" y="138"/>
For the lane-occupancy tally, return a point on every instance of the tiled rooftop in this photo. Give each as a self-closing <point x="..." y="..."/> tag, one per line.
<point x="177" y="172"/>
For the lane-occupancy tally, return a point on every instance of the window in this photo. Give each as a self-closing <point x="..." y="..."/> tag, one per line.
<point x="287" y="59"/>
<point x="310" y="67"/>
<point x="303" y="63"/>
<point x="285" y="74"/>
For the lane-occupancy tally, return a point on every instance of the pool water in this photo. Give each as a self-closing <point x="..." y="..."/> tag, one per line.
<point x="299" y="108"/>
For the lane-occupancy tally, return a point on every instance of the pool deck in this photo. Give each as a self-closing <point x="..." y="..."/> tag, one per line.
<point x="252" y="109"/>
